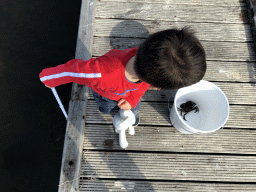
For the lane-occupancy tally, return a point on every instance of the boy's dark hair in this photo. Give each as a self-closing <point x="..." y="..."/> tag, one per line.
<point x="171" y="59"/>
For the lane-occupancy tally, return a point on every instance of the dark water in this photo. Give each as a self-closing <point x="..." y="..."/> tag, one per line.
<point x="33" y="35"/>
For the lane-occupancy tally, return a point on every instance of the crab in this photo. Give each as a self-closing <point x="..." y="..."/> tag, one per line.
<point x="187" y="107"/>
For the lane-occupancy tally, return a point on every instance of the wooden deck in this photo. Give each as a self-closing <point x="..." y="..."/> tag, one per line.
<point x="160" y="158"/>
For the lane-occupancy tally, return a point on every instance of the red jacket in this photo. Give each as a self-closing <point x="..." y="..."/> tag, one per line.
<point x="105" y="75"/>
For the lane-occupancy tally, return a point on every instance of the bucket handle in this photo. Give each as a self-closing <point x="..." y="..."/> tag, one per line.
<point x="168" y="104"/>
<point x="215" y="132"/>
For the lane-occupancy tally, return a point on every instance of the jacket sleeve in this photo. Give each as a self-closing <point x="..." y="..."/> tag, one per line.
<point x="135" y="96"/>
<point x="76" y="70"/>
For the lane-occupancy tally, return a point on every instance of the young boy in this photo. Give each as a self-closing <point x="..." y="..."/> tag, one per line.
<point x="169" y="59"/>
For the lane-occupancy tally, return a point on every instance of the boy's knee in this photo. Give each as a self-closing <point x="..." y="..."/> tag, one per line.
<point x="104" y="111"/>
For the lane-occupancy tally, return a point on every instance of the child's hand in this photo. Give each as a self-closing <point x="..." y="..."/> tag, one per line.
<point x="47" y="86"/>
<point x="123" y="104"/>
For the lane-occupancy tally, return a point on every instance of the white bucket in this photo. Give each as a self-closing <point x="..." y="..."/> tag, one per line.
<point x="213" y="108"/>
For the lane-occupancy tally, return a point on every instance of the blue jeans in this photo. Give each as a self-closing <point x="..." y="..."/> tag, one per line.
<point x="106" y="105"/>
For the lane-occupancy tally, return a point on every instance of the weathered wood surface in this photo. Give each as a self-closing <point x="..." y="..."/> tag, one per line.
<point x="156" y="113"/>
<point x="230" y="71"/>
<point x="171" y="12"/>
<point x="73" y="144"/>
<point x="141" y="29"/>
<point x="232" y="3"/>
<point x="128" y="185"/>
<point x="155" y="151"/>
<point x="127" y="165"/>
<point x="85" y="31"/>
<point x="168" y="139"/>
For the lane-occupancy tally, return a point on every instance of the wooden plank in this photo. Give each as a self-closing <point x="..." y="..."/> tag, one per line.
<point x="230" y="71"/>
<point x="102" y="45"/>
<point x="153" y="138"/>
<point x="133" y="185"/>
<point x="174" y="12"/>
<point x="153" y="113"/>
<point x="231" y="3"/>
<point x="85" y="31"/>
<point x="141" y="29"/>
<point x="218" y="51"/>
<point x="237" y="93"/>
<point x="71" y="160"/>
<point x="159" y="166"/>
<point x="72" y="152"/>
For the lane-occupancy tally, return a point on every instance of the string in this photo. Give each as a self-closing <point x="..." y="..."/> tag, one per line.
<point x="59" y="101"/>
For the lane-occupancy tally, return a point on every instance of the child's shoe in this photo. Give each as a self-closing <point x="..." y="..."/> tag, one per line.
<point x="115" y="109"/>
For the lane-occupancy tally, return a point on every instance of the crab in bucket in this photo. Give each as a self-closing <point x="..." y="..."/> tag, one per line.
<point x="187" y="107"/>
